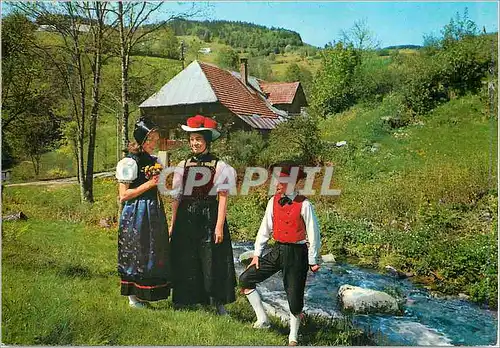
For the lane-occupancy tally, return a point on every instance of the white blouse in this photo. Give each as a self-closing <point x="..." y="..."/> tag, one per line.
<point x="126" y="170"/>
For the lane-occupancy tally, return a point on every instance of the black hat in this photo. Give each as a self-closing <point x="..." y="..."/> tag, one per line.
<point x="142" y="129"/>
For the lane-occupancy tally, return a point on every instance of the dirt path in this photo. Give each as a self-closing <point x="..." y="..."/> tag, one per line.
<point x="71" y="180"/>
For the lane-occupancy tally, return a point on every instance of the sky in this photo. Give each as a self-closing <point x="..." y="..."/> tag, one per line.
<point x="392" y="22"/>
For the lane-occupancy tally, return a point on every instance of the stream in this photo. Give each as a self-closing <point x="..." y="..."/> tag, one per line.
<point x="427" y="320"/>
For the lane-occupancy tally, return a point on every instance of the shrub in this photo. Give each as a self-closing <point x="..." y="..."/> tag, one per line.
<point x="422" y="88"/>
<point x="333" y="89"/>
<point x="245" y="148"/>
<point x="297" y="140"/>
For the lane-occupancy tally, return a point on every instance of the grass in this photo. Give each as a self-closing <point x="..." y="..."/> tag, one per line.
<point x="71" y="296"/>
<point x="282" y="61"/>
<point x="420" y="197"/>
<point x="60" y="285"/>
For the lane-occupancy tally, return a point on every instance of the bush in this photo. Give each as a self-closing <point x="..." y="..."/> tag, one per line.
<point x="227" y="58"/>
<point x="422" y="88"/>
<point x="333" y="89"/>
<point x="374" y="78"/>
<point x="245" y="148"/>
<point x="431" y="78"/>
<point x="297" y="140"/>
<point x="58" y="173"/>
<point x="465" y="64"/>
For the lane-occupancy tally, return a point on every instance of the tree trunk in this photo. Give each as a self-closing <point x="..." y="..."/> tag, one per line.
<point x="81" y="125"/>
<point x="125" y="109"/>
<point x="124" y="54"/>
<point x="81" y="168"/>
<point x="97" y="62"/>
<point x="35" y="160"/>
<point x="75" y="153"/>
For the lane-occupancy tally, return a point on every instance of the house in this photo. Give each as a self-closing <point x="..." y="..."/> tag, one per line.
<point x="236" y="100"/>
<point x="82" y="28"/>
<point x="205" y="50"/>
<point x="289" y="97"/>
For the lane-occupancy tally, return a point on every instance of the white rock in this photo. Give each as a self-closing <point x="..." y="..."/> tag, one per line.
<point x="463" y="296"/>
<point x="341" y="143"/>
<point x="392" y="270"/>
<point x="360" y="300"/>
<point x="328" y="258"/>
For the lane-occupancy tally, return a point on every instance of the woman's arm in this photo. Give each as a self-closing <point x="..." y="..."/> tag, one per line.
<point x="176" y="185"/>
<point x="221" y="217"/>
<point x="127" y="193"/>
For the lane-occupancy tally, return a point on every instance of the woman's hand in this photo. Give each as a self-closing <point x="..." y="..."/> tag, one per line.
<point x="219" y="234"/>
<point x="153" y="181"/>
<point x="255" y="261"/>
<point x="170" y="229"/>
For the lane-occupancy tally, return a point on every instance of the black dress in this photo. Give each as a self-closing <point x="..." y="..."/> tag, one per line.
<point x="143" y="242"/>
<point x="203" y="272"/>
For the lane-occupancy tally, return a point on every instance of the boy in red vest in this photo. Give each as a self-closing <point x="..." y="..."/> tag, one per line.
<point x="292" y="222"/>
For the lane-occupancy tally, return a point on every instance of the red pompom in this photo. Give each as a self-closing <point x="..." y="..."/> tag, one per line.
<point x="199" y="121"/>
<point x="209" y="123"/>
<point x="195" y="121"/>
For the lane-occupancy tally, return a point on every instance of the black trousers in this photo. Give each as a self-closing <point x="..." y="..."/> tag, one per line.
<point x="292" y="260"/>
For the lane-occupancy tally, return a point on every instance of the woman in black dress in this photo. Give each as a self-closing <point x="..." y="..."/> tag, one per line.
<point x="143" y="241"/>
<point x="202" y="257"/>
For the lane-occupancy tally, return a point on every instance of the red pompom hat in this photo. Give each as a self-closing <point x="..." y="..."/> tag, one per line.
<point x="201" y="123"/>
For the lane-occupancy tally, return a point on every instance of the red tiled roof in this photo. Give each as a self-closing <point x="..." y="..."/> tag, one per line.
<point x="233" y="94"/>
<point x="280" y="93"/>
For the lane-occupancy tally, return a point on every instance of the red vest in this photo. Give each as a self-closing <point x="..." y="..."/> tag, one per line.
<point x="288" y="225"/>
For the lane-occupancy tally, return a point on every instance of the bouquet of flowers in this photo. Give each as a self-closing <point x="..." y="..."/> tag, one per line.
<point x="153" y="170"/>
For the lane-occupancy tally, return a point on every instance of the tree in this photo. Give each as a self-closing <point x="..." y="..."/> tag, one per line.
<point x="332" y="89"/>
<point x="227" y="58"/>
<point x="21" y="69"/>
<point x="207" y="36"/>
<point x="360" y="36"/>
<point x="297" y="140"/>
<point x="194" y="48"/>
<point x="459" y="28"/>
<point x="294" y="72"/>
<point x="245" y="148"/>
<point x="77" y="60"/>
<point x="261" y="68"/>
<point x="135" y="27"/>
<point x="27" y="90"/>
<point x="40" y="136"/>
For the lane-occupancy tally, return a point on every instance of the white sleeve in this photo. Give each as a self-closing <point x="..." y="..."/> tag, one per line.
<point x="265" y="230"/>
<point x="177" y="180"/>
<point x="225" y="178"/>
<point x="126" y="170"/>
<point x="312" y="229"/>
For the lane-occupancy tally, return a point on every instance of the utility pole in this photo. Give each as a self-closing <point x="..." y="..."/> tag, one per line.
<point x="182" y="54"/>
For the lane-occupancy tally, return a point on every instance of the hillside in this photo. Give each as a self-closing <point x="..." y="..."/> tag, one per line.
<point x="239" y="35"/>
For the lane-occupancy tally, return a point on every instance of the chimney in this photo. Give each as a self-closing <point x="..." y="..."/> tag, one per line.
<point x="244" y="70"/>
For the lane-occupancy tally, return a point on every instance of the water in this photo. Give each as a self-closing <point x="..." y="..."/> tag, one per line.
<point x="426" y="321"/>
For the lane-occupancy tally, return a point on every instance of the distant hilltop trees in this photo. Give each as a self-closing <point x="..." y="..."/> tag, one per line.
<point x="402" y="47"/>
<point x="239" y="34"/>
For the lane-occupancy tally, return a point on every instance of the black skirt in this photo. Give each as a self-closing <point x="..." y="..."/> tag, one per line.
<point x="202" y="271"/>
